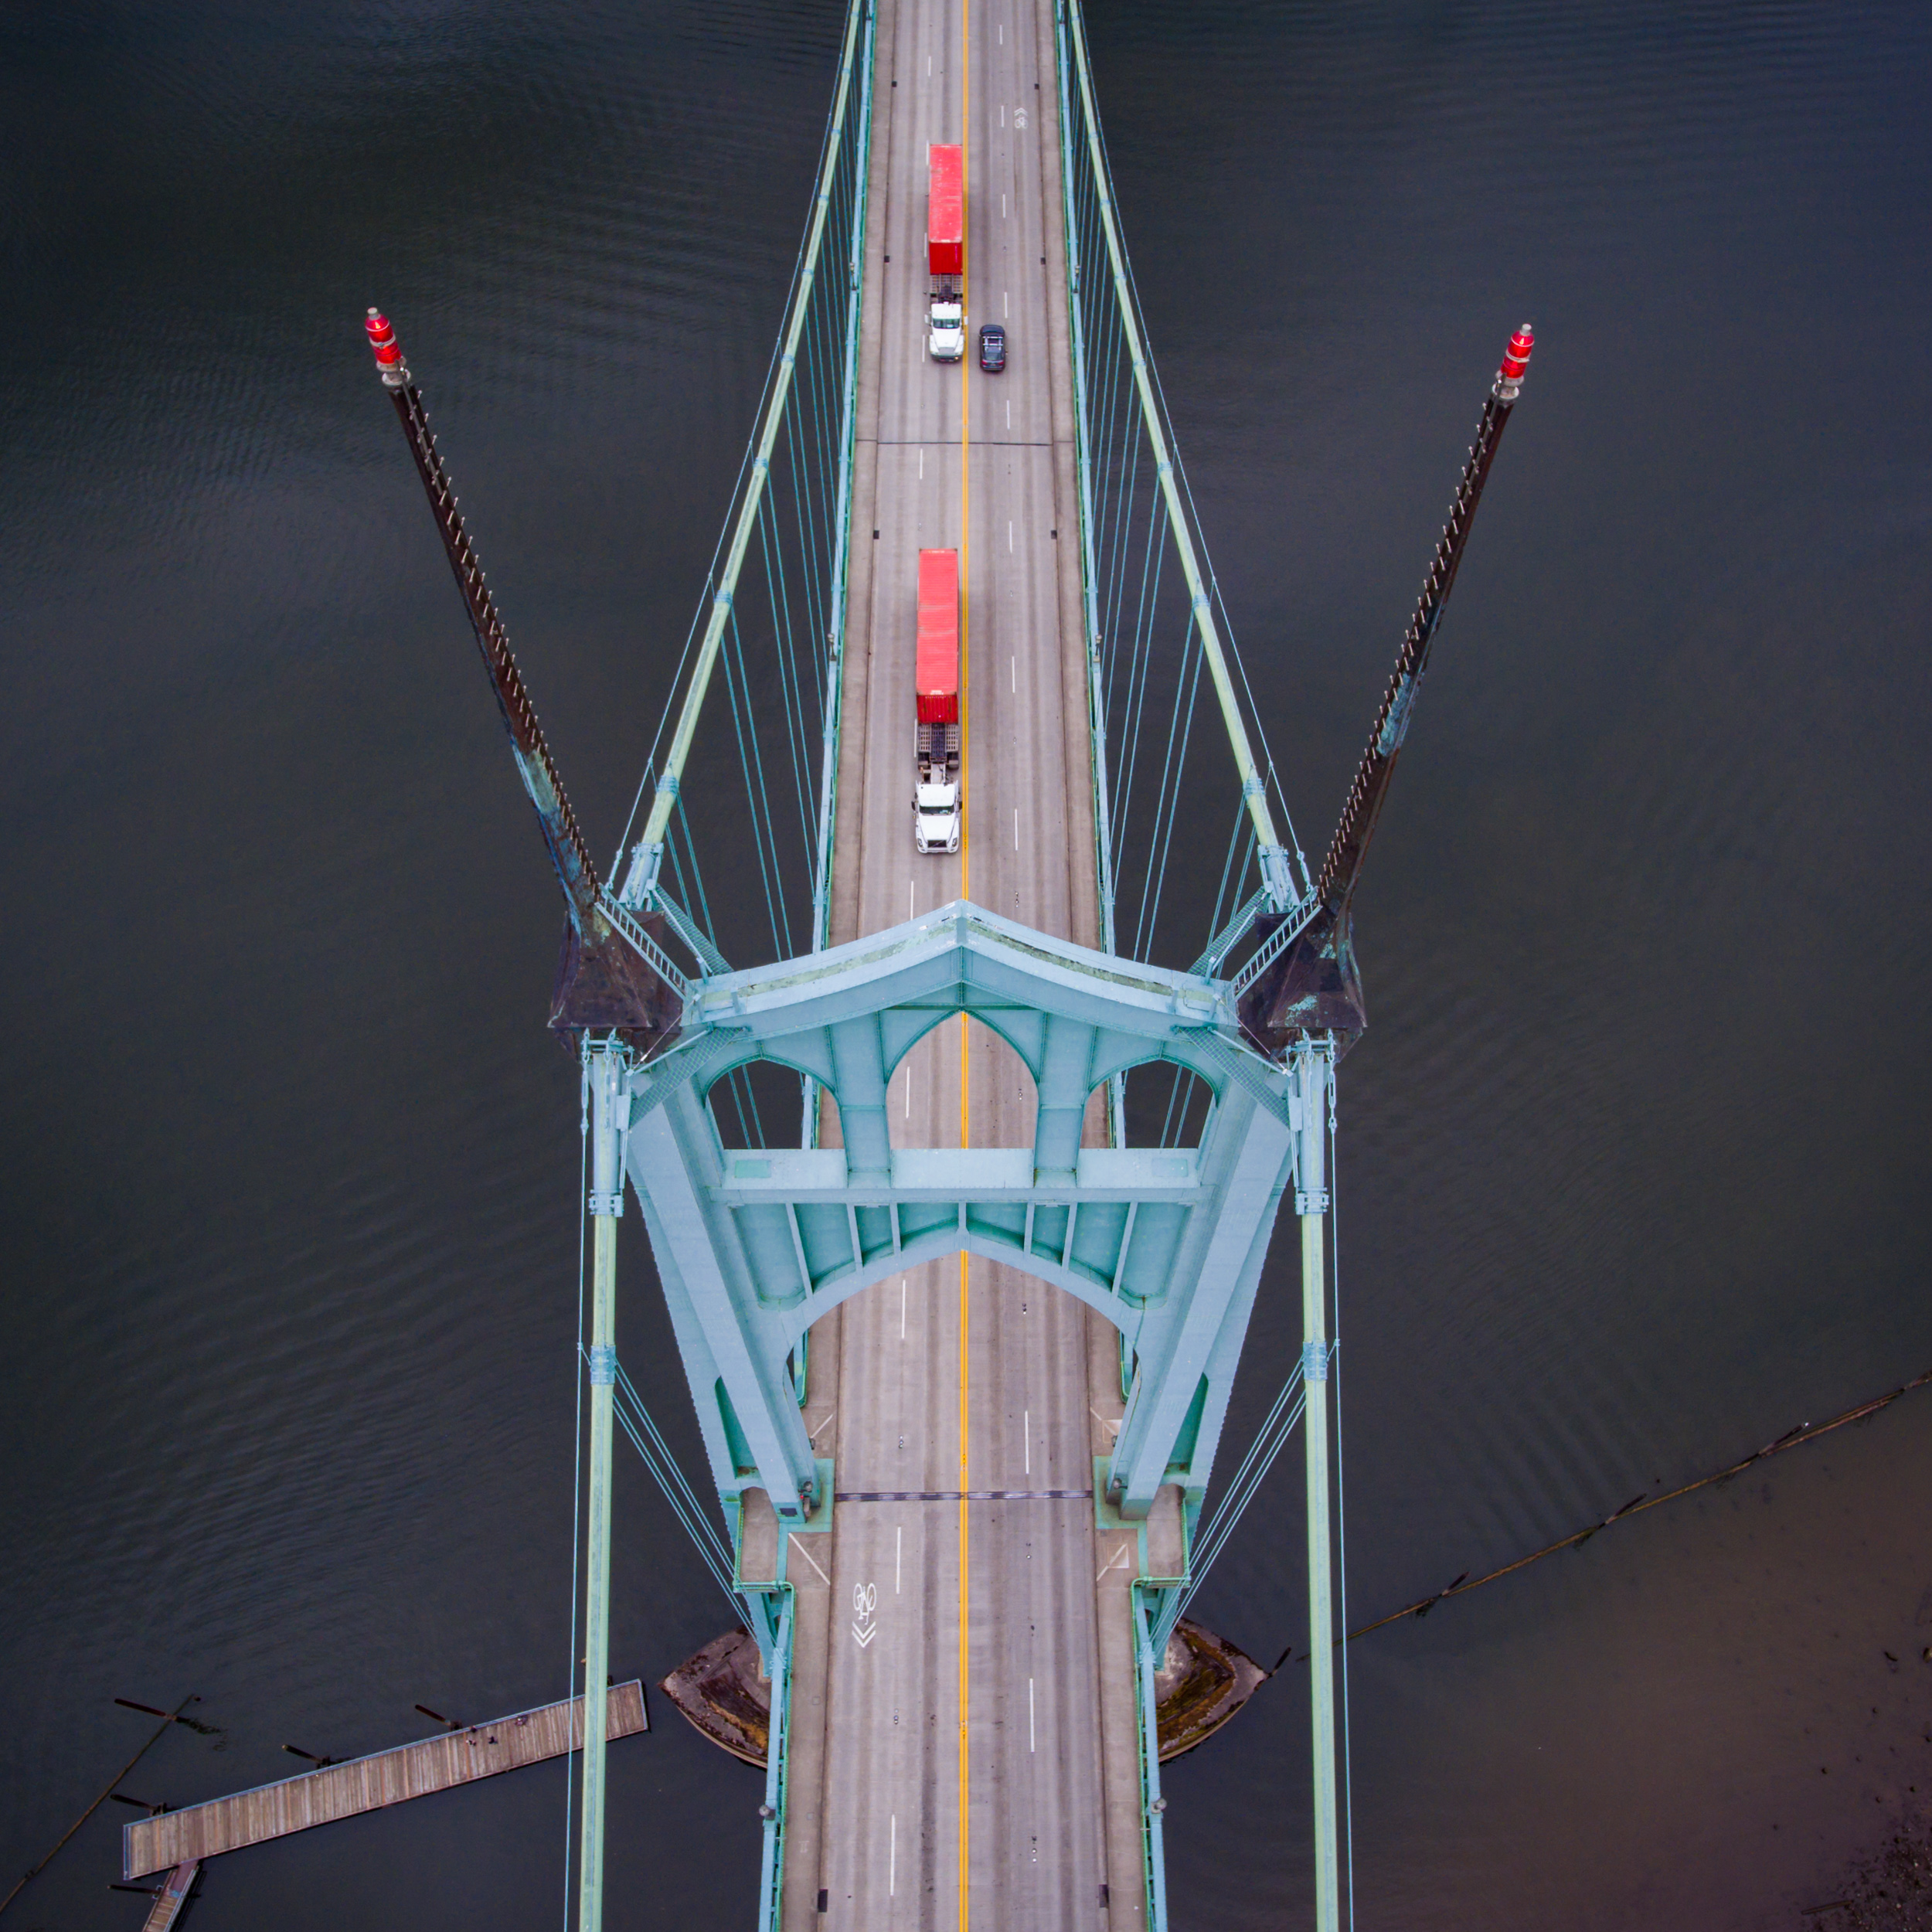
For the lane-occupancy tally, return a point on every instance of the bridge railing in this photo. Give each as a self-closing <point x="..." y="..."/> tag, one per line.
<point x="771" y="1863"/>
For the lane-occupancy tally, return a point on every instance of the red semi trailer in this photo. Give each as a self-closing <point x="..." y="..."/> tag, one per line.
<point x="945" y="251"/>
<point x="936" y="814"/>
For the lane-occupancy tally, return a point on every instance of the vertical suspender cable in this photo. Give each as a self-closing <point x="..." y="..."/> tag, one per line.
<point x="1274" y="862"/>
<point x="842" y="534"/>
<point x="655" y="826"/>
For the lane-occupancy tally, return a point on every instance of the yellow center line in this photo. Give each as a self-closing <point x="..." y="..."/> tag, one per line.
<point x="965" y="892"/>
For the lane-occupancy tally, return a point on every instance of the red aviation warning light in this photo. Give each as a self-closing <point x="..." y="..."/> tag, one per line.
<point x="1516" y="360"/>
<point x="389" y="355"/>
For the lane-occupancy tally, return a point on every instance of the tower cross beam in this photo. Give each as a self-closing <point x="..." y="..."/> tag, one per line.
<point x="753" y="1245"/>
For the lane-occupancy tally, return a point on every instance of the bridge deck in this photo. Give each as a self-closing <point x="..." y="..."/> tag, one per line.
<point x="179" y="1838"/>
<point x="1000" y="1674"/>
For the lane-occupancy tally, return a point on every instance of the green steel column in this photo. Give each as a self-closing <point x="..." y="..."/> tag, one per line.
<point x="1311" y="1204"/>
<point x="607" y="1067"/>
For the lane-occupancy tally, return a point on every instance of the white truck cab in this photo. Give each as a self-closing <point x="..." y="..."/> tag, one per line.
<point x="935" y="817"/>
<point x="946" y="338"/>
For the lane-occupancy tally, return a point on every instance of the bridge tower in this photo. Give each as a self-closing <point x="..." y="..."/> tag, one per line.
<point x="754" y="1245"/>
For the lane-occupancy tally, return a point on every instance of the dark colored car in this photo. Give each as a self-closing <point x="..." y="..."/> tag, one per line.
<point x="992" y="348"/>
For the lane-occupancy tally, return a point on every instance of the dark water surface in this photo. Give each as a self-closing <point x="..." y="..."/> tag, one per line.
<point x="1630" y="1155"/>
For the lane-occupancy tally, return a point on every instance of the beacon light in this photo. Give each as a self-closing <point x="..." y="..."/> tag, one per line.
<point x="389" y="354"/>
<point x="1516" y="360"/>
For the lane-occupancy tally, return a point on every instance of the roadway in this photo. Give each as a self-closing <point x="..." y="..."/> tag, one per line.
<point x="964" y="1375"/>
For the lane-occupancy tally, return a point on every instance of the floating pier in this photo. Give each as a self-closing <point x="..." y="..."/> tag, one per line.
<point x="181" y="1839"/>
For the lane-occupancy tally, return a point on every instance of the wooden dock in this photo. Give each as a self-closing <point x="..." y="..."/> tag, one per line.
<point x="179" y="1838"/>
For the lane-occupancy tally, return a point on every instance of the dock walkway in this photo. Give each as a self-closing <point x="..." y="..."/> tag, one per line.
<point x="180" y="1838"/>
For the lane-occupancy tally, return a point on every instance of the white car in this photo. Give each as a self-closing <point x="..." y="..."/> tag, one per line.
<point x="946" y="338"/>
<point x="935" y="817"/>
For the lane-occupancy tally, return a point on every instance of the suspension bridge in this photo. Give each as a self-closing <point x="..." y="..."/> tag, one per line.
<point x="959" y="1169"/>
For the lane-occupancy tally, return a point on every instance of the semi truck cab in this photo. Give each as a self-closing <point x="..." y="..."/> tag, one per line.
<point x="935" y="817"/>
<point x="946" y="339"/>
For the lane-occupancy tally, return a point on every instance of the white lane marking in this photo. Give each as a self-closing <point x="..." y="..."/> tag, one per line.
<point x="1002" y="105"/>
<point x="1026" y="1420"/>
<point x="892" y="1868"/>
<point x="899" y="1538"/>
<point x="1118" y="1561"/>
<point x="1014" y="673"/>
<point x="1006" y="305"/>
<point x="1016" y="828"/>
<point x="814" y="1436"/>
<point x="1009" y="412"/>
<point x="929" y="63"/>
<point x="1010" y="540"/>
<point x="1002" y="204"/>
<point x="864" y="1595"/>
<point x="1002" y="33"/>
<point x="809" y="1557"/>
<point x="922" y="466"/>
<point x="902" y="1295"/>
<point x="1029" y="1713"/>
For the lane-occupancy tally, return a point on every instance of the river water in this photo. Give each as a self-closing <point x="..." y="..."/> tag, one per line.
<point x="1626" y="1182"/>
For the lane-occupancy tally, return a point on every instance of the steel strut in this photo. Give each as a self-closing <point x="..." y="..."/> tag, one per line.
<point x="576" y="870"/>
<point x="602" y="982"/>
<point x="1314" y="987"/>
<point x="1342" y="866"/>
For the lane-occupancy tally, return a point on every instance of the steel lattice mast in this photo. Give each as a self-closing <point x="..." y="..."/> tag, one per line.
<point x="1343" y="865"/>
<point x="604" y="981"/>
<point x="1313" y="986"/>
